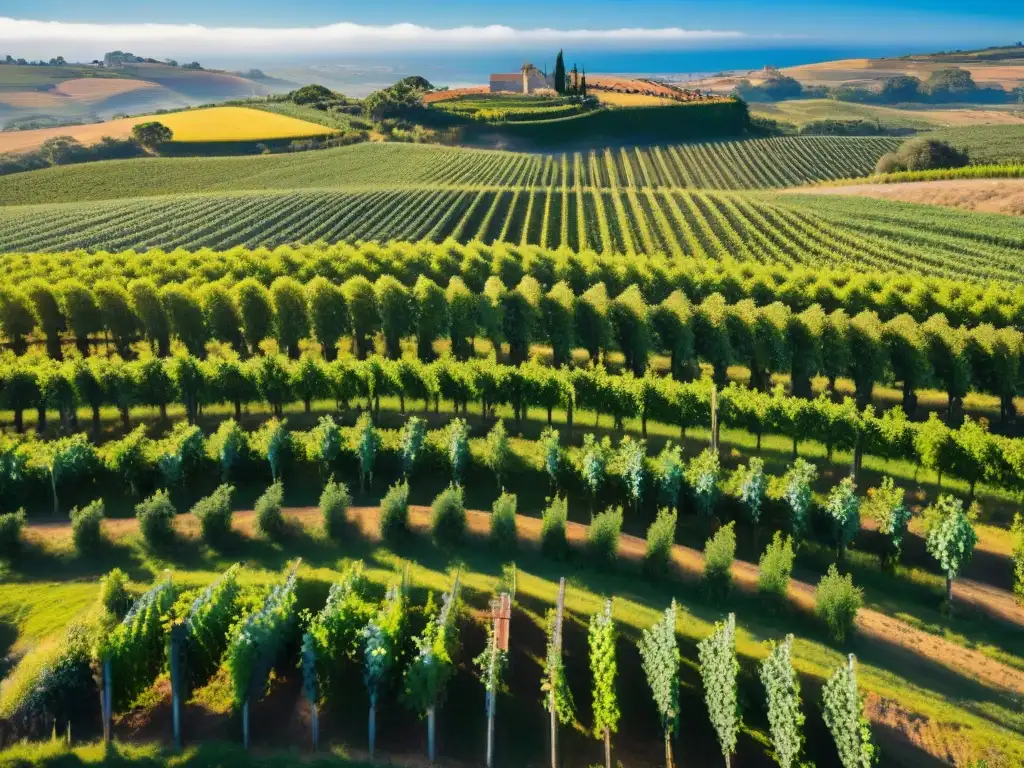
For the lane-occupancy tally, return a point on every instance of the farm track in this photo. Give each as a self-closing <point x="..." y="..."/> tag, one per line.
<point x="878" y="627"/>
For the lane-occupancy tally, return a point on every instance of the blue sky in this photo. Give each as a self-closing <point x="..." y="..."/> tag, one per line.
<point x="36" y="28"/>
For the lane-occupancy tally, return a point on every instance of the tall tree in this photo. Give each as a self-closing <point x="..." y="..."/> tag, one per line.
<point x="257" y="311"/>
<point x="364" y="315"/>
<point x="222" y="316"/>
<point x="17" y="318"/>
<point x="630" y="324"/>
<point x="949" y="537"/>
<point x="79" y="307"/>
<point x="153" y="315"/>
<point x="431" y="312"/>
<point x="718" y="669"/>
<point x="560" y="73"/>
<point x="603" y="669"/>
<point x="782" y="689"/>
<point x="660" y="654"/>
<point x="843" y="712"/>
<point x="117" y="314"/>
<point x="291" y="312"/>
<point x="47" y="309"/>
<point x="328" y="314"/>
<point x="186" y="317"/>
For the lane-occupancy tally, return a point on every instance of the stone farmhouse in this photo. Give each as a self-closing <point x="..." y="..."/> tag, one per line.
<point x="527" y="80"/>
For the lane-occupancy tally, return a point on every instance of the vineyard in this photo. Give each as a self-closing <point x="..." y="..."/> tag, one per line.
<point x="811" y="231"/>
<point x="741" y="164"/>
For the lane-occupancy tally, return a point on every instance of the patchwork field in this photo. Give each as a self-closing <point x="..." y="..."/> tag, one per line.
<point x="214" y="124"/>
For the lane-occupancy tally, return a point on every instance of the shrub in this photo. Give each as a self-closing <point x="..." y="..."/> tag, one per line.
<point x="503" y="523"/>
<point x="719" y="553"/>
<point x="661" y="536"/>
<point x="394" y="512"/>
<point x="86" y="526"/>
<point x="269" y="520"/>
<point x="156" y="519"/>
<point x="553" y="540"/>
<point x="776" y="566"/>
<point x="10" y="532"/>
<point x="603" y="537"/>
<point x="837" y="602"/>
<point x="448" y="517"/>
<point x="334" y="503"/>
<point x="214" y="514"/>
<point x="114" y="595"/>
<point x="1018" y="556"/>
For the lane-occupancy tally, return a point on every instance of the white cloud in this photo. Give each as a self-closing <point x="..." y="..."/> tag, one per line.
<point x="46" y="38"/>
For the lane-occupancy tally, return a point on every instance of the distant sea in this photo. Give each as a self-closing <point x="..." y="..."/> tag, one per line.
<point x="357" y="76"/>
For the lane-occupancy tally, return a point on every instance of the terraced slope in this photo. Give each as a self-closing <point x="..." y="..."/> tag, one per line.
<point x="745" y="164"/>
<point x="768" y="228"/>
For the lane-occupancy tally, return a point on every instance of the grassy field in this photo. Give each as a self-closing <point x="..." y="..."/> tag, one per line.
<point x="987" y="144"/>
<point x="616" y="99"/>
<point x="801" y="111"/>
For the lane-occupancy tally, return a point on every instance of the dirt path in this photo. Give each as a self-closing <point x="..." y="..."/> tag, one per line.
<point x="690" y="563"/>
<point x="983" y="195"/>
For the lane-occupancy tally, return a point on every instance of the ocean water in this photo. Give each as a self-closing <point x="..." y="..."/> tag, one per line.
<point x="357" y="76"/>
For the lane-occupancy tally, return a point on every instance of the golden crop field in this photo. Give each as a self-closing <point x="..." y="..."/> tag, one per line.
<point x="215" y="124"/>
<point x="237" y="124"/>
<point x="631" y="99"/>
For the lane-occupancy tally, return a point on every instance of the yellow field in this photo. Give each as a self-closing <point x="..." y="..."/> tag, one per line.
<point x="237" y="124"/>
<point x="215" y="124"/>
<point x="630" y="99"/>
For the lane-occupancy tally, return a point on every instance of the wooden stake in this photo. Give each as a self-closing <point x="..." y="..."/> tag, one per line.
<point x="557" y="639"/>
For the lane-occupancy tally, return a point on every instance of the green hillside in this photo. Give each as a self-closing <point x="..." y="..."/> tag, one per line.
<point x="752" y="163"/>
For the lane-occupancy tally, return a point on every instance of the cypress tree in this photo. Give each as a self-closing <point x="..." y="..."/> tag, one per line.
<point x="559" y="73"/>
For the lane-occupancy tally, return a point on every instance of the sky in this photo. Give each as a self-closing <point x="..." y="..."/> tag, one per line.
<point x="255" y="28"/>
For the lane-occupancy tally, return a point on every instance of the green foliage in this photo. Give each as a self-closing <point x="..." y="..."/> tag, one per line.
<point x="752" y="486"/>
<point x="718" y="670"/>
<point x="776" y="566"/>
<point x="497" y="450"/>
<point x="659" y="652"/>
<point x="257" y="642"/>
<point x="670" y="473"/>
<point x="503" y="535"/>
<point x="208" y="624"/>
<point x="799" y="496"/>
<point x="87" y="526"/>
<point x="702" y="476"/>
<point x="553" y="540"/>
<point x="843" y="712"/>
<point x="269" y="520"/>
<point x="382" y="642"/>
<point x="229" y="447"/>
<point x="114" y="598"/>
<point x="334" y="503"/>
<point x="135" y="647"/>
<point x="458" y="448"/>
<point x="885" y="506"/>
<point x="949" y="535"/>
<point x="843" y="507"/>
<point x="275" y="444"/>
<point x="337" y="630"/>
<point x="367" y="442"/>
<point x="214" y="515"/>
<point x="603" y="537"/>
<point x="394" y="512"/>
<point x="550" y="441"/>
<point x="837" y="601"/>
<point x="782" y="689"/>
<point x="11" y="524"/>
<point x="152" y="134"/>
<point x="601" y="636"/>
<point x="632" y="459"/>
<point x="411" y="441"/>
<point x="719" y="553"/>
<point x="427" y="675"/>
<point x="325" y="442"/>
<point x="594" y="462"/>
<point x="661" y="537"/>
<point x="553" y="682"/>
<point x="156" y="520"/>
<point x="448" y="517"/>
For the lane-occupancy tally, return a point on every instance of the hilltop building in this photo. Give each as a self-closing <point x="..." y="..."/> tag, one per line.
<point x="527" y="80"/>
